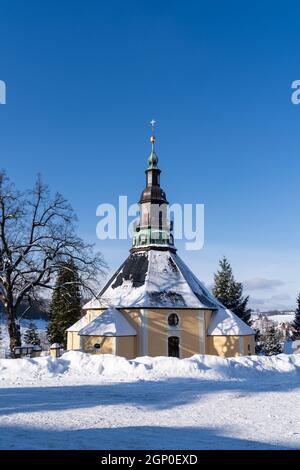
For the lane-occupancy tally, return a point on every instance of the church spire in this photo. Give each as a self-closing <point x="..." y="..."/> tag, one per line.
<point x="153" y="192"/>
<point x="153" y="229"/>
<point x="153" y="158"/>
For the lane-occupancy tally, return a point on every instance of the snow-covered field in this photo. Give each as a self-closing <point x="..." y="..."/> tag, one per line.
<point x="82" y="401"/>
<point x="287" y="318"/>
<point x="284" y="318"/>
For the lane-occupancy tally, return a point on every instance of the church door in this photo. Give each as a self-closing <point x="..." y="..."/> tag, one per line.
<point x="173" y="346"/>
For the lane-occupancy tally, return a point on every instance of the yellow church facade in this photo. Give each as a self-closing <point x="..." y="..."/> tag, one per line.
<point x="154" y="305"/>
<point x="153" y="333"/>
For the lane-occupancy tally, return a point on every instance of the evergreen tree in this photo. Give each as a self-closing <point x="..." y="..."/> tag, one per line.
<point x="258" y="342"/>
<point x="65" y="308"/>
<point x="271" y="342"/>
<point x="296" y="323"/>
<point x="230" y="292"/>
<point x="31" y="335"/>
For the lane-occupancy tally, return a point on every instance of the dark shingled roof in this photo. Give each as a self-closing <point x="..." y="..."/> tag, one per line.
<point x="135" y="269"/>
<point x="154" y="278"/>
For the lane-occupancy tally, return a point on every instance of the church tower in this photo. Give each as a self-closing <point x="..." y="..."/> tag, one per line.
<point x="154" y="229"/>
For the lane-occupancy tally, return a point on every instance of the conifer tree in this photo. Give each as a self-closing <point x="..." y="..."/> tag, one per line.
<point x="296" y="323"/>
<point x="271" y="342"/>
<point x="259" y="338"/>
<point x="31" y="335"/>
<point x="230" y="292"/>
<point x="65" y="308"/>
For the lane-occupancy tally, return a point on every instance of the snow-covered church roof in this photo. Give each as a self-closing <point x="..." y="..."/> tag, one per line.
<point x="225" y="323"/>
<point x="110" y="323"/>
<point x="153" y="279"/>
<point x="79" y="324"/>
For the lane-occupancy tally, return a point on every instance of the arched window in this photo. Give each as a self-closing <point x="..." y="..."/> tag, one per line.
<point x="173" y="319"/>
<point x="173" y="346"/>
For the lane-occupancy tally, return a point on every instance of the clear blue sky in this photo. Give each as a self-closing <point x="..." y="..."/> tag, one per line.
<point x="85" y="77"/>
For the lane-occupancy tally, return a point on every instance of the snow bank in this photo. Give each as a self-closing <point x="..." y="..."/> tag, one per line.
<point x="78" y="367"/>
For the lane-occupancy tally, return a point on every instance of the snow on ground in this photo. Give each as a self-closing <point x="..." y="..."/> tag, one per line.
<point x="83" y="401"/>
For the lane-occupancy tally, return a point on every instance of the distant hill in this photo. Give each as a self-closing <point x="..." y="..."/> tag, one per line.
<point x="33" y="313"/>
<point x="278" y="312"/>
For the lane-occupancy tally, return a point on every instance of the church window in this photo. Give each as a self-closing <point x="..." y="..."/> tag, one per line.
<point x="160" y="216"/>
<point x="173" y="319"/>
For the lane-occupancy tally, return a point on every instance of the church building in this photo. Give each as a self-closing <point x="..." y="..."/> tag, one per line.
<point x="154" y="305"/>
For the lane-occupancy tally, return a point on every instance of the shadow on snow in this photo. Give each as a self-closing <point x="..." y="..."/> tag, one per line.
<point x="131" y="437"/>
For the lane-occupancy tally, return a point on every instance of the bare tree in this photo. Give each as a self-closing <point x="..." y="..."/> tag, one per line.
<point x="37" y="234"/>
